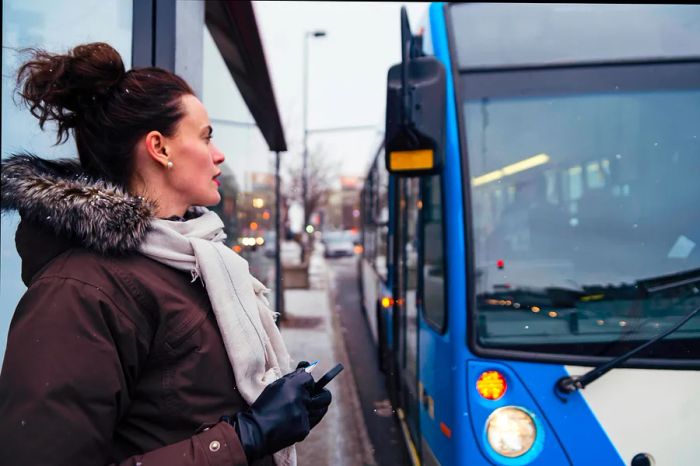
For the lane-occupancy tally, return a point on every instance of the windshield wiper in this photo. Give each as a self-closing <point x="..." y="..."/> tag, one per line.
<point x="572" y="383"/>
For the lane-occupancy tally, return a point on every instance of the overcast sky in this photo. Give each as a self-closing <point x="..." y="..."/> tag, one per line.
<point x="346" y="73"/>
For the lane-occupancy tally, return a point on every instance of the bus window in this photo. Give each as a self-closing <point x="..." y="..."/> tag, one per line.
<point x="364" y="196"/>
<point x="433" y="254"/>
<point x="407" y="271"/>
<point x="369" y="231"/>
<point x="410" y="203"/>
<point x="382" y="217"/>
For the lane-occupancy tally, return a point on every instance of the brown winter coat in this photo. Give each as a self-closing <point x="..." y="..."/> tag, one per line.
<point x="112" y="358"/>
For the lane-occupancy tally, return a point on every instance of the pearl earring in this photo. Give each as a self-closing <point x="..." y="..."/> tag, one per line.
<point x="170" y="164"/>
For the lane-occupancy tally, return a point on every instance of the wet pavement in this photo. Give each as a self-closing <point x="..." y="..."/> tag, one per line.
<point x="311" y="331"/>
<point x="380" y="419"/>
<point x="325" y="322"/>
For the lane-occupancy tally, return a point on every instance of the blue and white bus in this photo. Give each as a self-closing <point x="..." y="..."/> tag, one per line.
<point x="531" y="264"/>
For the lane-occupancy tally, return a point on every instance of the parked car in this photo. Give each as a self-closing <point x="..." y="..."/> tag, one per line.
<point x="337" y="244"/>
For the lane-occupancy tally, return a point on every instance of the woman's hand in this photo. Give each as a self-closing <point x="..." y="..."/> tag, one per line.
<point x="283" y="414"/>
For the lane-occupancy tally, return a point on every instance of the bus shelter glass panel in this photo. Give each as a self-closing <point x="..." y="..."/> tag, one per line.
<point x="47" y="25"/>
<point x="585" y="231"/>
<point x="247" y="206"/>
<point x="546" y="34"/>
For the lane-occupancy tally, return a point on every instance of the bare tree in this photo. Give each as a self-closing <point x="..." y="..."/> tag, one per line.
<point x="320" y="175"/>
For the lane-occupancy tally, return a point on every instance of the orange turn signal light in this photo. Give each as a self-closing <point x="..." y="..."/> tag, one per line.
<point x="423" y="159"/>
<point x="387" y="302"/>
<point x="491" y="385"/>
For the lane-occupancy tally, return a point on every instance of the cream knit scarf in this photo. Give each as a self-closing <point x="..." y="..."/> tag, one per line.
<point x="254" y="345"/>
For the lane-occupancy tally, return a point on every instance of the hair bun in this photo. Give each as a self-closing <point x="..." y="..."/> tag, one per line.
<point x="96" y="68"/>
<point x="63" y="87"/>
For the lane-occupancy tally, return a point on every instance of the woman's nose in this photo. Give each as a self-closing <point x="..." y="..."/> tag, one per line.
<point x="216" y="155"/>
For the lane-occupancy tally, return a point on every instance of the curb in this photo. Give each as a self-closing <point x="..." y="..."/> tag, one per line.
<point x="340" y="348"/>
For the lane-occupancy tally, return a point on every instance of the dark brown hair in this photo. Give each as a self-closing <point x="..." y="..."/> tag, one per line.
<point x="108" y="109"/>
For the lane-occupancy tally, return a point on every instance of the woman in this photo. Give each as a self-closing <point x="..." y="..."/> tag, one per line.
<point x="141" y="339"/>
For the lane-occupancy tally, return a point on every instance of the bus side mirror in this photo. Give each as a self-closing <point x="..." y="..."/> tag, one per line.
<point x="415" y="110"/>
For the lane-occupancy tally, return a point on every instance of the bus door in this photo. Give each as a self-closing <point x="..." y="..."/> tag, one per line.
<point x="406" y="323"/>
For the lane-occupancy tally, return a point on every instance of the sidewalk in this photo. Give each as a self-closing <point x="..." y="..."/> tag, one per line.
<point x="312" y="331"/>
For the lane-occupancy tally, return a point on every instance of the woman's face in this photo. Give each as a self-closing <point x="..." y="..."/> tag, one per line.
<point x="195" y="158"/>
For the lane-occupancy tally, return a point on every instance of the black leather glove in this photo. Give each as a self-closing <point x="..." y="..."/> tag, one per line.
<point x="318" y="406"/>
<point x="320" y="400"/>
<point x="279" y="417"/>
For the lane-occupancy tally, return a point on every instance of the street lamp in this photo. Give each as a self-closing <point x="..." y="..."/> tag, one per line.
<point x="307" y="34"/>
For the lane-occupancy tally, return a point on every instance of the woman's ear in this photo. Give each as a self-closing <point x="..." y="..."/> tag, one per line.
<point x="155" y="147"/>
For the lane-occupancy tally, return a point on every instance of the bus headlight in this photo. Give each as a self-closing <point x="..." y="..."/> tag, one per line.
<point x="510" y="431"/>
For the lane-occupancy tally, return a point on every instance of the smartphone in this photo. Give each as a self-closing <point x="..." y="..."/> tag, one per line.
<point x="328" y="376"/>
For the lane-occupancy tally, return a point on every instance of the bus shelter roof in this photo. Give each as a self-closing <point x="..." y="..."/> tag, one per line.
<point x="234" y="29"/>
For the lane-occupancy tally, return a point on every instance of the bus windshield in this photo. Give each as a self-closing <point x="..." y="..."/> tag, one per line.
<point x="548" y="34"/>
<point x="585" y="221"/>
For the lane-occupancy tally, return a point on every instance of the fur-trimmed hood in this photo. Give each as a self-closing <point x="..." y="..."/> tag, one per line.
<point x="59" y="198"/>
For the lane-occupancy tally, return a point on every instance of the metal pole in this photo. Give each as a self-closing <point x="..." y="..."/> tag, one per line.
<point x="343" y="128"/>
<point x="305" y="178"/>
<point x="242" y="124"/>
<point x="279" y="291"/>
<point x="305" y="155"/>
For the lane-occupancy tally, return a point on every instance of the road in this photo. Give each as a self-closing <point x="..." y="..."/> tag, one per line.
<point x="382" y="426"/>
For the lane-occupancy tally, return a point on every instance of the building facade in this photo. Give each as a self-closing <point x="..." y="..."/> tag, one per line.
<point x="215" y="46"/>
